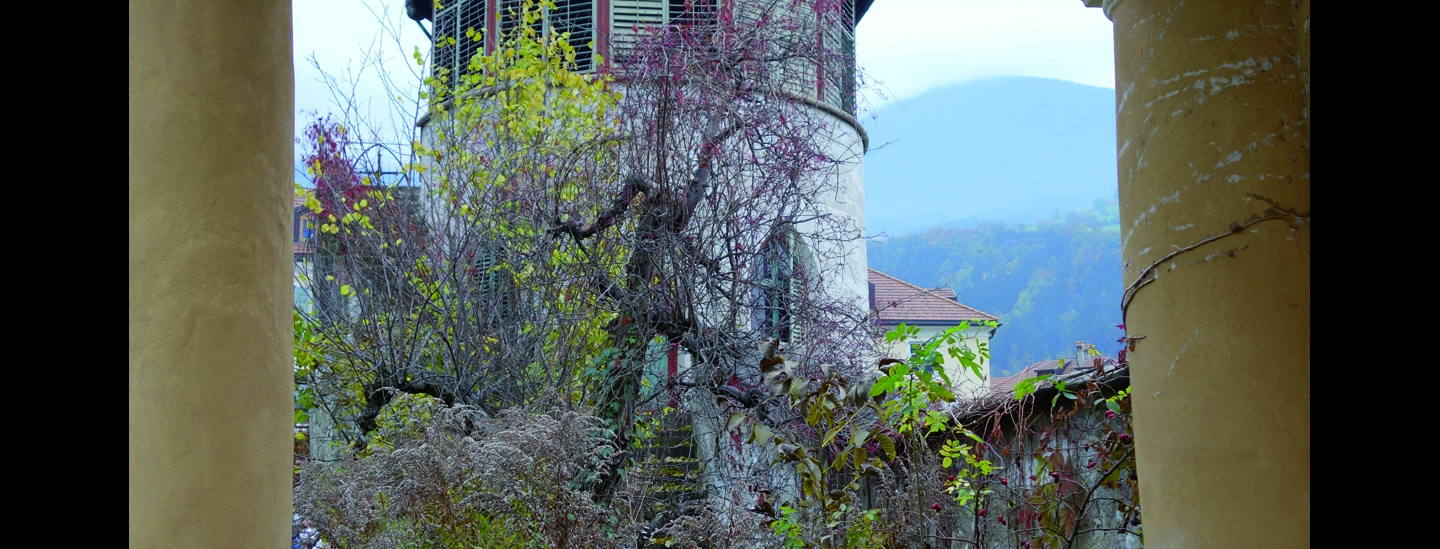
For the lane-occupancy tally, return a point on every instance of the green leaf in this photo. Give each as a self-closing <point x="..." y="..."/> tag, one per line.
<point x="886" y="444"/>
<point x="880" y="387"/>
<point x="761" y="434"/>
<point x="1112" y="406"/>
<point x="944" y="394"/>
<point x="857" y="435"/>
<point x="840" y="460"/>
<point x="734" y="422"/>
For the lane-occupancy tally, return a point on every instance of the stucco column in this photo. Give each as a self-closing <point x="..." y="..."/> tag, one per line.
<point x="1214" y="162"/>
<point x="210" y="385"/>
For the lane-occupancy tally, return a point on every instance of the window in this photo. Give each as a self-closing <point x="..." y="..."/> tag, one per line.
<point x="492" y="293"/>
<point x="837" y="81"/>
<point x="631" y="18"/>
<point x="691" y="11"/>
<point x="452" y="22"/>
<point x="772" y="289"/>
<point x="304" y="226"/>
<point x="576" y="18"/>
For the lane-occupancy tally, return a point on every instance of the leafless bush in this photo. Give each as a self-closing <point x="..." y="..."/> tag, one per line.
<point x="436" y="476"/>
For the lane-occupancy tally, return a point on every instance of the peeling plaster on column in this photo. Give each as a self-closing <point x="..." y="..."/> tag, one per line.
<point x="1217" y="254"/>
<point x="1229" y="159"/>
<point x="1137" y="223"/>
<point x="1178" y="356"/>
<point x="1143" y="20"/>
<point x="1150" y="55"/>
<point x="1168" y="95"/>
<point x="1172" y="197"/>
<point x="1124" y="96"/>
<point x="1154" y="83"/>
<point x="1248" y="79"/>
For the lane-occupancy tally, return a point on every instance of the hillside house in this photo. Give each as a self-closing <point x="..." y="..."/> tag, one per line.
<point x="894" y="301"/>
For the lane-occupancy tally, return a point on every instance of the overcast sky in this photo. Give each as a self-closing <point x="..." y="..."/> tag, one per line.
<point x="914" y="45"/>
<point x="909" y="46"/>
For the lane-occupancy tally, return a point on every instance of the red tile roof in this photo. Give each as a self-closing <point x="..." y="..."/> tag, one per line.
<point x="1006" y="384"/>
<point x="898" y="301"/>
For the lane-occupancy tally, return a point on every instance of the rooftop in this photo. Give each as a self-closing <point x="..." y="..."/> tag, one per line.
<point x="895" y="301"/>
<point x="999" y="385"/>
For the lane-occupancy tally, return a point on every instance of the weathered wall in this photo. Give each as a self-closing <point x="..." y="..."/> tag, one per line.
<point x="1076" y="440"/>
<point x="1214" y="143"/>
<point x="845" y="200"/>
<point x="210" y="382"/>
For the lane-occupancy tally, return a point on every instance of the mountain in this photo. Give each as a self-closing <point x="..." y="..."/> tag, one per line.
<point x="1014" y="149"/>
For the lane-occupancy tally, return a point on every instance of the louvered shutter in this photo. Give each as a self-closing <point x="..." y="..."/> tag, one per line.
<point x="837" y="82"/>
<point x="452" y="22"/>
<point x="630" y="18"/>
<point x="510" y="16"/>
<point x="576" y="19"/>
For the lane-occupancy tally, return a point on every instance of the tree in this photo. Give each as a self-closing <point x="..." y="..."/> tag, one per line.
<point x="567" y="224"/>
<point x="566" y="231"/>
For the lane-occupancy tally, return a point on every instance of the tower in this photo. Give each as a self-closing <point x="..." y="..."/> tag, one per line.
<point x="605" y="33"/>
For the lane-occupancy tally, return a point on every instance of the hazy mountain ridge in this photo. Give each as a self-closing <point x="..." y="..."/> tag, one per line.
<point x="1014" y="149"/>
<point x="957" y="179"/>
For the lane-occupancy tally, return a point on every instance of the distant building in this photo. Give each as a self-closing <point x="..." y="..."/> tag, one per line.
<point x="302" y="238"/>
<point x="933" y="310"/>
<point x="1083" y="361"/>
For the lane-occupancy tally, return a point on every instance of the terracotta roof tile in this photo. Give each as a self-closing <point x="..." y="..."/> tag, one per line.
<point x="898" y="301"/>
<point x="1006" y="384"/>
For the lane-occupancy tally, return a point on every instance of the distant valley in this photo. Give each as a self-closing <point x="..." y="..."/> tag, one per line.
<point x="1004" y="189"/>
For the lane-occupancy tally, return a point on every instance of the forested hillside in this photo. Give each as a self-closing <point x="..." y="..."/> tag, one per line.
<point x="1051" y="283"/>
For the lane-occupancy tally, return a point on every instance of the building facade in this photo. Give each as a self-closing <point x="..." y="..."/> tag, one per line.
<point x="933" y="311"/>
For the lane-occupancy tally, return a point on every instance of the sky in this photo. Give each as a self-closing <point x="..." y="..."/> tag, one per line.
<point x="911" y="46"/>
<point x="905" y="46"/>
